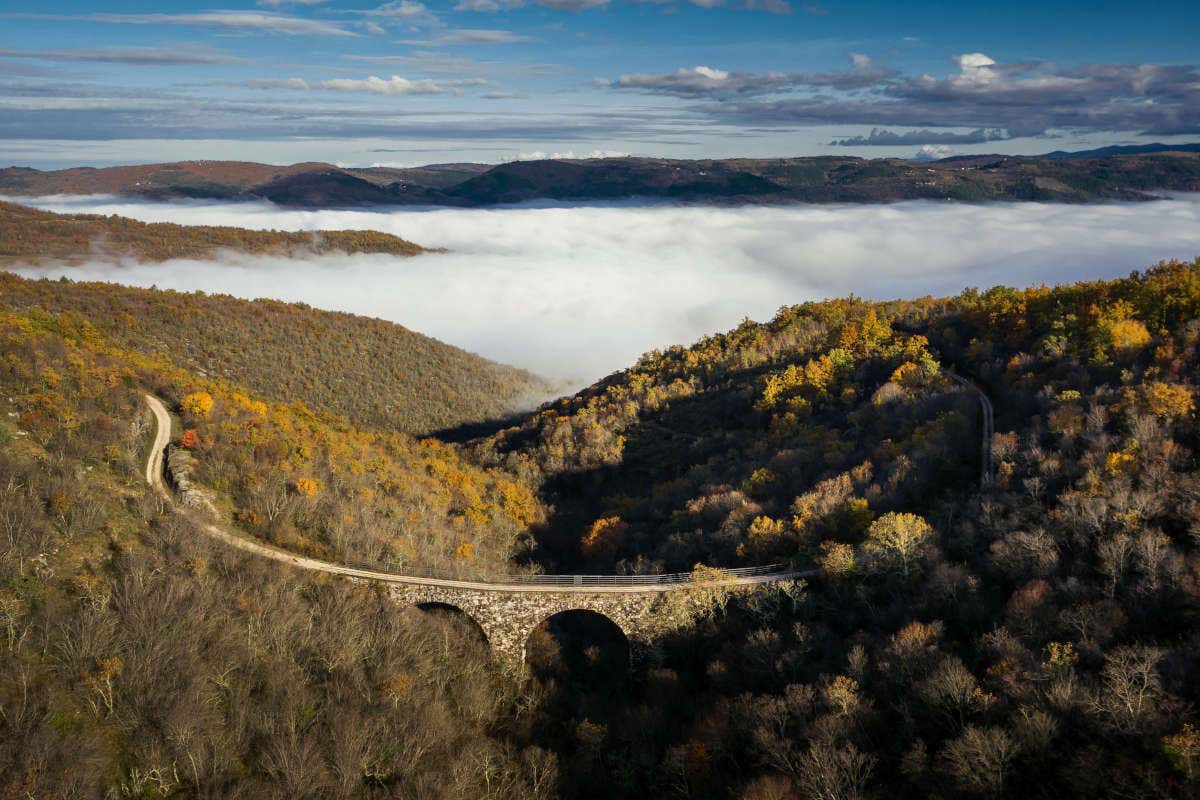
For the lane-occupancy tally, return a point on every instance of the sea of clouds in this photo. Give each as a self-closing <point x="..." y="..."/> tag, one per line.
<point x="577" y="292"/>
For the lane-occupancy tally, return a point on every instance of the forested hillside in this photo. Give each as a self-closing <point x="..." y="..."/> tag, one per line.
<point x="1034" y="637"/>
<point x="748" y="447"/>
<point x="1037" y="637"/>
<point x="32" y="236"/>
<point x="376" y="373"/>
<point x="138" y="660"/>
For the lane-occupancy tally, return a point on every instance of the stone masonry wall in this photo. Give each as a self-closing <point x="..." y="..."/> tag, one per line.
<point x="508" y="618"/>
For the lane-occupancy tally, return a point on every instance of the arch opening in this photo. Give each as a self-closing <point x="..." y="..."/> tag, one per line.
<point x="454" y="621"/>
<point x="578" y="647"/>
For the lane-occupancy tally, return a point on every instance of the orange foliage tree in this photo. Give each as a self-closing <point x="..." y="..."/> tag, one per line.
<point x="604" y="538"/>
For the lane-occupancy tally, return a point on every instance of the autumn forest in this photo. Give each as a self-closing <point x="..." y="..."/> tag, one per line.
<point x="1031" y="635"/>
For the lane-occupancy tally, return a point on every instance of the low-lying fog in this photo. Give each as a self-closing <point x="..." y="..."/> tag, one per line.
<point x="577" y="292"/>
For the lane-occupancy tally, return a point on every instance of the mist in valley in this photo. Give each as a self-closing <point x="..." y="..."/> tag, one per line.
<point x="576" y="292"/>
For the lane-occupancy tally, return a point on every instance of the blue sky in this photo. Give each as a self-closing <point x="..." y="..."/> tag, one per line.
<point x="419" y="81"/>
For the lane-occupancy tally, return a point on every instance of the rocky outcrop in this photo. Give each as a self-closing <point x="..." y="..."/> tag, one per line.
<point x="180" y="466"/>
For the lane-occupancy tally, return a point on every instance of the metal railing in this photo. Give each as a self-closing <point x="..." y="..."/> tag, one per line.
<point x="533" y="579"/>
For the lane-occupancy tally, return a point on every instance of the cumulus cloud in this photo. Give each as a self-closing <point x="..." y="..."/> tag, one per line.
<point x="933" y="152"/>
<point x="718" y="84"/>
<point x="282" y="3"/>
<point x="243" y="21"/>
<point x="881" y="137"/>
<point x="1023" y="98"/>
<point x="130" y="55"/>
<point x="394" y="85"/>
<point x="577" y="292"/>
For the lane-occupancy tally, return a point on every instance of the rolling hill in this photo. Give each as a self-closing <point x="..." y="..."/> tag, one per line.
<point x="825" y="179"/>
<point x="32" y="236"/>
<point x="375" y="373"/>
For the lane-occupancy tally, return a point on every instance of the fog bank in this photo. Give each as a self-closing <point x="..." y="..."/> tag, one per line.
<point x="577" y="292"/>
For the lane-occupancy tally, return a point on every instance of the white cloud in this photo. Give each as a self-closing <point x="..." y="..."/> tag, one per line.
<point x="573" y="5"/>
<point x="226" y="20"/>
<point x="487" y="5"/>
<point x="702" y="81"/>
<point x="408" y="13"/>
<point x="394" y="85"/>
<point x="470" y="36"/>
<point x="974" y="69"/>
<point x="148" y="56"/>
<point x="860" y="60"/>
<point x="541" y="155"/>
<point x="933" y="152"/>
<point x="773" y="6"/>
<point x="970" y="61"/>
<point x="578" y="292"/>
<point x="402" y="9"/>
<point x="282" y="3"/>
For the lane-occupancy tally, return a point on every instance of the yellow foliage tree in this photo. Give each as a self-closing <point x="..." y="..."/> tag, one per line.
<point x="765" y="530"/>
<point x="1128" y="336"/>
<point x="1168" y="400"/>
<point x="1125" y="334"/>
<point x="898" y="539"/>
<point x="1183" y="751"/>
<point x="837" y="558"/>
<point x="307" y="487"/>
<point x="464" y="553"/>
<point x="907" y="374"/>
<point x="1120" y="463"/>
<point x="198" y="404"/>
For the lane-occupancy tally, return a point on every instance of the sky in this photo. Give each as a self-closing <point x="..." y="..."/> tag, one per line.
<point x="406" y="82"/>
<point x="576" y="292"/>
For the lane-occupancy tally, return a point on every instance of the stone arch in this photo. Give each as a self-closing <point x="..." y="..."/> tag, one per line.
<point x="579" y="620"/>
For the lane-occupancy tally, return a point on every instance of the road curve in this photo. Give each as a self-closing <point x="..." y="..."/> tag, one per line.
<point x="162" y="434"/>
<point x="989" y="424"/>
<point x="154" y="476"/>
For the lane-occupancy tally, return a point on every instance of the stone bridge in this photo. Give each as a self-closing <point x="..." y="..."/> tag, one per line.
<point x="507" y="609"/>
<point x="644" y="608"/>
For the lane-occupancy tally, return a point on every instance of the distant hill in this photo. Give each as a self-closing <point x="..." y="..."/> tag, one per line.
<point x="30" y="236"/>
<point x="1126" y="149"/>
<point x="827" y="179"/>
<point x="375" y="373"/>
<point x="209" y="179"/>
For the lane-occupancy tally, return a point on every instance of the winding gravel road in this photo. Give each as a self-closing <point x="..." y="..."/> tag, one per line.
<point x="588" y="584"/>
<point x="574" y="583"/>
